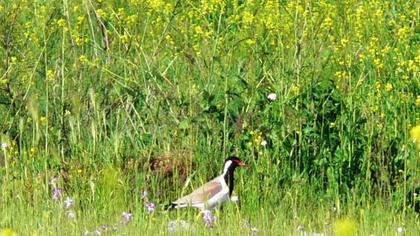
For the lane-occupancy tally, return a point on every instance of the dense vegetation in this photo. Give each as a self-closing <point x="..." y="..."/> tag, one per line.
<point x="101" y="101"/>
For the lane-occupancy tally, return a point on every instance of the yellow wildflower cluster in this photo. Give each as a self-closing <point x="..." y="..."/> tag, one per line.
<point x="365" y="48"/>
<point x="415" y="135"/>
<point x="345" y="227"/>
<point x="8" y="232"/>
<point x="255" y="139"/>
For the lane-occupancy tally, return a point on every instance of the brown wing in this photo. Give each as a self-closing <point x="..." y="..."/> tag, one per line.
<point x="202" y="194"/>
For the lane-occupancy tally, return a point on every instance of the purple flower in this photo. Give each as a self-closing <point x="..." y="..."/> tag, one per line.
<point x="68" y="202"/>
<point x="177" y="225"/>
<point x="208" y="218"/>
<point x="150" y="207"/>
<point x="126" y="217"/>
<point x="57" y="193"/>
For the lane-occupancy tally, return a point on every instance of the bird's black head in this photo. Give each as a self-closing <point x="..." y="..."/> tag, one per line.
<point x="235" y="161"/>
<point x="231" y="163"/>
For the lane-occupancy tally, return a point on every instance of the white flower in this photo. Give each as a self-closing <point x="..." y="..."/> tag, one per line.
<point x="400" y="230"/>
<point x="300" y="228"/>
<point x="144" y="194"/>
<point x="264" y="143"/>
<point x="4" y="145"/>
<point x="272" y="96"/>
<point x="254" y="231"/>
<point x="68" y="202"/>
<point x="317" y="234"/>
<point x="234" y="198"/>
<point x="71" y="215"/>
<point x="53" y="181"/>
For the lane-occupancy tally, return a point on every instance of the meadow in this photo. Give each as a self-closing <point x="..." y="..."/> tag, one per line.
<point x="111" y="109"/>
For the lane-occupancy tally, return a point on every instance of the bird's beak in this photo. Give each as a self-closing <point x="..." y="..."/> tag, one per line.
<point x="242" y="164"/>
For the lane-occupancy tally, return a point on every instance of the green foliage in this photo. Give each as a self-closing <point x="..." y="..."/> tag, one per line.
<point x="118" y="97"/>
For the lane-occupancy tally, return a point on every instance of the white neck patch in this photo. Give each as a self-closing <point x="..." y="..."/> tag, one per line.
<point x="226" y="167"/>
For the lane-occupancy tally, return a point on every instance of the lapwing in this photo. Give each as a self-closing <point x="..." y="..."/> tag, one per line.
<point x="213" y="193"/>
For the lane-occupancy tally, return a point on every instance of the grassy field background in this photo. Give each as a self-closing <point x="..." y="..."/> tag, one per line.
<point x="103" y="101"/>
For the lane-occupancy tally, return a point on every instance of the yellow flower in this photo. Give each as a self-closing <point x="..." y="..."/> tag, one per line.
<point x="247" y="18"/>
<point x="3" y="81"/>
<point x="198" y="30"/>
<point x="169" y="39"/>
<point x="295" y="89"/>
<point x="79" y="40"/>
<point x="61" y="22"/>
<point x="418" y="101"/>
<point x="50" y="74"/>
<point x="124" y="38"/>
<point x="43" y="119"/>
<point x="155" y="4"/>
<point x="131" y="19"/>
<point x="344" y="42"/>
<point x="388" y="87"/>
<point x="415" y="135"/>
<point x="80" y="20"/>
<point x="250" y="42"/>
<point x="101" y="13"/>
<point x="403" y="33"/>
<point x="378" y="85"/>
<point x="411" y="65"/>
<point x="327" y="23"/>
<point x="345" y="227"/>
<point x="32" y="151"/>
<point x="7" y="232"/>
<point x="83" y="59"/>
<point x="378" y="63"/>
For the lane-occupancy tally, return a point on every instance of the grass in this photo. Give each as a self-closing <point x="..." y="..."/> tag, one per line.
<point x="113" y="98"/>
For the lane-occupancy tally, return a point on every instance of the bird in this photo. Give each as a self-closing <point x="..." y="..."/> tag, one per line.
<point x="213" y="193"/>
